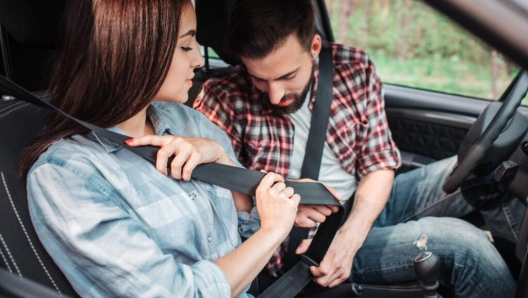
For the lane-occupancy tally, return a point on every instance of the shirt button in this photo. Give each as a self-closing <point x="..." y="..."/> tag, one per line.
<point x="209" y="239"/>
<point x="192" y="195"/>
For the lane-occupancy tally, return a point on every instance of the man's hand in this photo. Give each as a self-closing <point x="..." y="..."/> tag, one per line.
<point x="336" y="266"/>
<point x="309" y="215"/>
<point x="371" y="197"/>
<point x="337" y="263"/>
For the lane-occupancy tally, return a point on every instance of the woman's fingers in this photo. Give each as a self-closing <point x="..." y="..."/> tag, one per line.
<point x="288" y="192"/>
<point x="182" y="155"/>
<point x="153" y="140"/>
<point x="189" y="166"/>
<point x="167" y="151"/>
<point x="187" y="152"/>
<point x="268" y="181"/>
<point x="278" y="188"/>
<point x="276" y="204"/>
<point x="296" y="199"/>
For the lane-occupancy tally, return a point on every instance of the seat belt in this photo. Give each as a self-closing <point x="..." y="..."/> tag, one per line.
<point x="315" y="143"/>
<point x="295" y="279"/>
<point x="213" y="173"/>
<point x="225" y="176"/>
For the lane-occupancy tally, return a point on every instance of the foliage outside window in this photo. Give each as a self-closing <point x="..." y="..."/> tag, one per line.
<point x="413" y="45"/>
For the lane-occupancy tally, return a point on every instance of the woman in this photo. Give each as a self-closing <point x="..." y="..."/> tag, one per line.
<point x="114" y="224"/>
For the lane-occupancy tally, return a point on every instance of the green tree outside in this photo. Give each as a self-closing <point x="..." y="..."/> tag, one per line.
<point x="413" y="45"/>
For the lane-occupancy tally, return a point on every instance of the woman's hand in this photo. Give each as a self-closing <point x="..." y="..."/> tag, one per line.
<point x="189" y="152"/>
<point x="277" y="205"/>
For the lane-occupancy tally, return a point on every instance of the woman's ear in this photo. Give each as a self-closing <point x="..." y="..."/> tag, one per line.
<point x="316" y="46"/>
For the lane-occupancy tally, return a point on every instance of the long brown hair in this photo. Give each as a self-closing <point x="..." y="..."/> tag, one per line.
<point x="114" y="57"/>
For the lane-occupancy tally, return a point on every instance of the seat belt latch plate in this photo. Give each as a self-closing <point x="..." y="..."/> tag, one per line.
<point x="308" y="260"/>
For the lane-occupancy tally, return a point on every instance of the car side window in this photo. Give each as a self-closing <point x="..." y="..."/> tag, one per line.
<point x="413" y="45"/>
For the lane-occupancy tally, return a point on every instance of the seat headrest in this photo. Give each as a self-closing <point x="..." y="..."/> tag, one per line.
<point x="32" y="23"/>
<point x="212" y="17"/>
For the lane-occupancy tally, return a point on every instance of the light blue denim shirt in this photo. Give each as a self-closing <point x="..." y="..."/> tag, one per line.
<point x="117" y="227"/>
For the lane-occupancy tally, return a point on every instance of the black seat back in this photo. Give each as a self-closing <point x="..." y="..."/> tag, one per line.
<point x="212" y="19"/>
<point x="29" y="40"/>
<point x="29" y="34"/>
<point x="21" y="252"/>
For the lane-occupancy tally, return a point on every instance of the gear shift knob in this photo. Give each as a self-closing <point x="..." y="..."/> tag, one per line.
<point x="427" y="267"/>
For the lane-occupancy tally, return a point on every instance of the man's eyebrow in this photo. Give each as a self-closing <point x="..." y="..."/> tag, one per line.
<point x="279" y="78"/>
<point x="190" y="32"/>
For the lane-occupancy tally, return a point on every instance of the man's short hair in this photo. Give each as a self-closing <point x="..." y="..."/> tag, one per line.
<point x="257" y="27"/>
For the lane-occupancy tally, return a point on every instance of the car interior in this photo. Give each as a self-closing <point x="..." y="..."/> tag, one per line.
<point x="426" y="126"/>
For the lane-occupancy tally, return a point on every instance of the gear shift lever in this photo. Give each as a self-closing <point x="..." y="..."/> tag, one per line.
<point x="427" y="267"/>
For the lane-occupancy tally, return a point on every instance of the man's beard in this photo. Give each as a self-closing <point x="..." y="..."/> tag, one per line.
<point x="298" y="99"/>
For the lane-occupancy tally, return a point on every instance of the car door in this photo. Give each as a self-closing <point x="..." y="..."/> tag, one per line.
<point x="437" y="77"/>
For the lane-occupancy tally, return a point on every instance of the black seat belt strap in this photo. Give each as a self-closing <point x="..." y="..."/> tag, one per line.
<point x="320" y="116"/>
<point x="218" y="174"/>
<point x="315" y="143"/>
<point x="296" y="278"/>
<point x="227" y="177"/>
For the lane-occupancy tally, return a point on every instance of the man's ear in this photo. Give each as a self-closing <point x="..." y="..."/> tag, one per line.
<point x="316" y="46"/>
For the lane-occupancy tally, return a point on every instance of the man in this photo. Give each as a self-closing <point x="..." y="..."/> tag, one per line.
<point x="265" y="107"/>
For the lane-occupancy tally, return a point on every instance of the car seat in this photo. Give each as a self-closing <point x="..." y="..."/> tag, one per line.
<point x="28" y="31"/>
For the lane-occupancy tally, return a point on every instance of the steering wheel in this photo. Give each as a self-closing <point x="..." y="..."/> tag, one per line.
<point x="476" y="153"/>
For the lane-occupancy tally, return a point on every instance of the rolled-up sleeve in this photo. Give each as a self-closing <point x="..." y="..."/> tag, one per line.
<point x="101" y="245"/>
<point x="379" y="150"/>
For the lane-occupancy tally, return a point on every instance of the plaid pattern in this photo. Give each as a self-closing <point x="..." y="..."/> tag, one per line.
<point x="358" y="132"/>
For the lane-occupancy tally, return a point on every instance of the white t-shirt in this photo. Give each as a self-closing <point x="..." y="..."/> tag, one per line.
<point x="331" y="172"/>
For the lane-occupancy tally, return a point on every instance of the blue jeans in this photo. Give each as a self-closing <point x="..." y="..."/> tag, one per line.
<point x="419" y="216"/>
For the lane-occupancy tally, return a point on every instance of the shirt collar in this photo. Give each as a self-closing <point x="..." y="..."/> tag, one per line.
<point x="161" y="127"/>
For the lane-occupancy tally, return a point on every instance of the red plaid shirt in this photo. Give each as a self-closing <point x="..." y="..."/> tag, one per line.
<point x="358" y="132"/>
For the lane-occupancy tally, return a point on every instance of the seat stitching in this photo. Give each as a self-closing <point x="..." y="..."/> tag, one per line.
<point x="5" y="259"/>
<point x="27" y="236"/>
<point x="409" y="288"/>
<point x="10" y="256"/>
<point x="17" y="108"/>
<point x="13" y="105"/>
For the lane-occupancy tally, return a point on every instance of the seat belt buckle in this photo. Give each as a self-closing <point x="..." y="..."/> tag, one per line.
<point x="308" y="260"/>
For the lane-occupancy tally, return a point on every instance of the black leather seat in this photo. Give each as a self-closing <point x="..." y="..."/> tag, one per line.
<point x="21" y="252"/>
<point x="29" y="31"/>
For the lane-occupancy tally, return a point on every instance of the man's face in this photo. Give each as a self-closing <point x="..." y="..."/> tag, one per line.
<point x="286" y="74"/>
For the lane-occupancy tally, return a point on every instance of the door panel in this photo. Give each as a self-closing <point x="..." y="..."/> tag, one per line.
<point x="422" y="132"/>
<point x="428" y="126"/>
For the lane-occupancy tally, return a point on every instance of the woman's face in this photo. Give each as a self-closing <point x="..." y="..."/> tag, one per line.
<point x="186" y="58"/>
